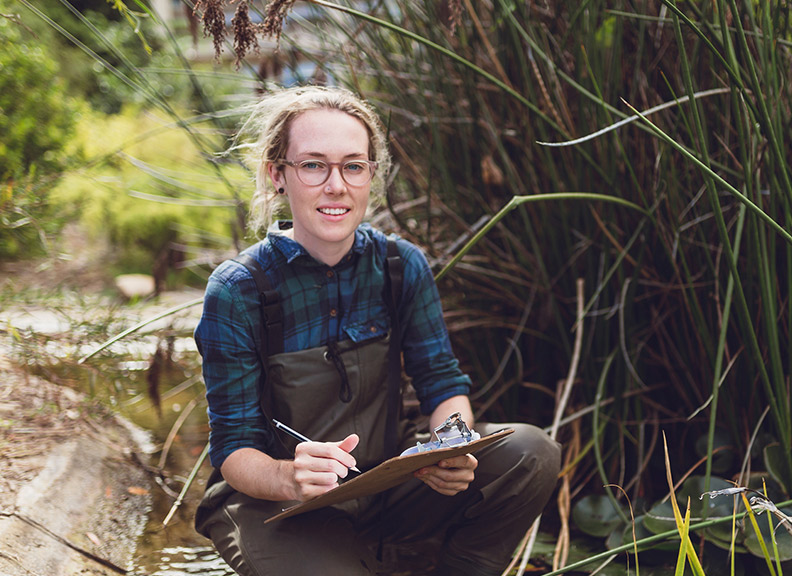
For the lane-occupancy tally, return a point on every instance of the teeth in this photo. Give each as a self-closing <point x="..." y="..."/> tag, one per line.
<point x="333" y="211"/>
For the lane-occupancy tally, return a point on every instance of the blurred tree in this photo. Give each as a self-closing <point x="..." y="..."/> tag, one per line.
<point x="36" y="122"/>
<point x="102" y="29"/>
<point x="37" y="117"/>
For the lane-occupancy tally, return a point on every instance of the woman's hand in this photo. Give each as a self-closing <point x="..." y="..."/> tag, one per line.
<point x="317" y="466"/>
<point x="450" y="476"/>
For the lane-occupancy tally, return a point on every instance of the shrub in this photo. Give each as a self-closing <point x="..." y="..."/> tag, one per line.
<point x="36" y="123"/>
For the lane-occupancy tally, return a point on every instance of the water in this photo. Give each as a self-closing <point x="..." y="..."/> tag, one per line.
<point x="180" y="424"/>
<point x="181" y="560"/>
<point x="175" y="550"/>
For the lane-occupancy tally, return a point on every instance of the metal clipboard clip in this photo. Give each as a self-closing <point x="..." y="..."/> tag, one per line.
<point x="453" y="432"/>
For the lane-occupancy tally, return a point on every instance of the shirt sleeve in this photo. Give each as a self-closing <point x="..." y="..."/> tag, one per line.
<point x="428" y="358"/>
<point x="231" y="369"/>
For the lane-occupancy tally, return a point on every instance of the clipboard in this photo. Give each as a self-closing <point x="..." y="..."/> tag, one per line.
<point x="390" y="473"/>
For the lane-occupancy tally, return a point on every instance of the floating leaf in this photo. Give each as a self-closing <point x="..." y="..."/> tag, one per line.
<point x="660" y="518"/>
<point x="783" y="539"/>
<point x="775" y="462"/>
<point x="722" y="447"/>
<point x="596" y="516"/>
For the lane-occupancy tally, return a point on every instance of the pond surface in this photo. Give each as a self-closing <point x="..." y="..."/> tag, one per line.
<point x="180" y="426"/>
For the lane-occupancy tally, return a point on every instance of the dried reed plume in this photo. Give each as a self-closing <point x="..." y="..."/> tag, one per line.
<point x="244" y="30"/>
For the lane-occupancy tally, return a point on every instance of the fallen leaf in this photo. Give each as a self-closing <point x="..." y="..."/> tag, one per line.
<point x="94" y="538"/>
<point x="137" y="490"/>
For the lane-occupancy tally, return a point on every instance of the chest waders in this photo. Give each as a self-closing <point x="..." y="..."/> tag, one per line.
<point x="330" y="391"/>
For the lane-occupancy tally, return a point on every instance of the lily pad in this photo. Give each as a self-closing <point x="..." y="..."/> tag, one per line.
<point x="783" y="539"/>
<point x="762" y="480"/>
<point x="660" y="518"/>
<point x="776" y="463"/>
<point x="721" y="534"/>
<point x="723" y="458"/>
<point x="596" y="516"/>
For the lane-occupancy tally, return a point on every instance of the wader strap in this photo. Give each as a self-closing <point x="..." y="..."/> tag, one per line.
<point x="271" y="337"/>
<point x="271" y="309"/>
<point x="393" y="285"/>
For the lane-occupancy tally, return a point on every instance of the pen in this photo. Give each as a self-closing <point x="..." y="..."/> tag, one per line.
<point x="297" y="436"/>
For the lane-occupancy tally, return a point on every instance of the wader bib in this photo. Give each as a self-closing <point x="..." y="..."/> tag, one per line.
<point x="330" y="392"/>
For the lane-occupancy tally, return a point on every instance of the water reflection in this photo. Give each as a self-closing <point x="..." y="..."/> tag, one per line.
<point x="179" y="561"/>
<point x="178" y="429"/>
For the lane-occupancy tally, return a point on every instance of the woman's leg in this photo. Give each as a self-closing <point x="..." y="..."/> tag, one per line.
<point x="319" y="542"/>
<point x="479" y="529"/>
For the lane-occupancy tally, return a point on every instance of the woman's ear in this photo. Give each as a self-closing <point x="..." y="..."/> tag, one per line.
<point x="276" y="175"/>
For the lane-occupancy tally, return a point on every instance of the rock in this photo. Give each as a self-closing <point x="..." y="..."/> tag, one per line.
<point x="133" y="286"/>
<point x="73" y="500"/>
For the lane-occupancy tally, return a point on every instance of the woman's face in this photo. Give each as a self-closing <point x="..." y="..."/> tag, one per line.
<point x="325" y="216"/>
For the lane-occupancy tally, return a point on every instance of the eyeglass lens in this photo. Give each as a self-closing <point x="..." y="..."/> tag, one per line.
<point x="316" y="172"/>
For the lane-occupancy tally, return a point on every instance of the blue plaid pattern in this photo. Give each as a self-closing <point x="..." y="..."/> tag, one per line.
<point x="320" y="304"/>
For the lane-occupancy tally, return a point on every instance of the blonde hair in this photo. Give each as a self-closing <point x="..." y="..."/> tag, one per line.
<point x="270" y="122"/>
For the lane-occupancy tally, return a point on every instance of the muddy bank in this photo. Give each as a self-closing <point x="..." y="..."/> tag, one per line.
<point x="73" y="497"/>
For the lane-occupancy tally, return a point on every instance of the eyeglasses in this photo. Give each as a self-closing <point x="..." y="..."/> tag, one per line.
<point x="316" y="172"/>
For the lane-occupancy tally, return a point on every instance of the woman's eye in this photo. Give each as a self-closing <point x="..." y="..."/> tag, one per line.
<point x="313" y="166"/>
<point x="354" y="166"/>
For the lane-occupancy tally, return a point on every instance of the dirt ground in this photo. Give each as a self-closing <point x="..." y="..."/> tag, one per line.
<point x="73" y="498"/>
<point x="73" y="494"/>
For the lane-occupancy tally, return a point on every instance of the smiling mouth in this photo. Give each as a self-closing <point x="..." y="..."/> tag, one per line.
<point x="334" y="211"/>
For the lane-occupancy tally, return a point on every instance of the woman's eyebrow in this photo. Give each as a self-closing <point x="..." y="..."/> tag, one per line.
<point x="322" y="155"/>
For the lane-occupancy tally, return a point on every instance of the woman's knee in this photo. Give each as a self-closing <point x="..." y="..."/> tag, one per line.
<point x="529" y="452"/>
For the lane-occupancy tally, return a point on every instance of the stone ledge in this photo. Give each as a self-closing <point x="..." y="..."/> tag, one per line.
<point x="72" y="501"/>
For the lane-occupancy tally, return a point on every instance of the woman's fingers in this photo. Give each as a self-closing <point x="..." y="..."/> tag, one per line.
<point x="319" y="465"/>
<point x="450" y="476"/>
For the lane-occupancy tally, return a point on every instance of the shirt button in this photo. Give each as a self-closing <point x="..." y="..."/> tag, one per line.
<point x="373" y="328"/>
<point x="333" y="312"/>
<point x="329" y="273"/>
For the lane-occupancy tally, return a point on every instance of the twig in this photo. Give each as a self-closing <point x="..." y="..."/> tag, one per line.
<point x="62" y="540"/>
<point x="187" y="485"/>
<point x="574" y="364"/>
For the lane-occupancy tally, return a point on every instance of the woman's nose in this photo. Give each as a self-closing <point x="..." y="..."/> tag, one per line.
<point x="335" y="182"/>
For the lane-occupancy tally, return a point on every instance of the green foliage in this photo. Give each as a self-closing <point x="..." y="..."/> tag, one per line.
<point x="113" y="42"/>
<point x="148" y="181"/>
<point x="37" y="118"/>
<point x="36" y="122"/>
<point x="137" y="191"/>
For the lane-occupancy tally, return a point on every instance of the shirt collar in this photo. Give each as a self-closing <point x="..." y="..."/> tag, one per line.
<point x="292" y="250"/>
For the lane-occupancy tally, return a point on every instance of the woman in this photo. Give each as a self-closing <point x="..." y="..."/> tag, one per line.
<point x="323" y="153"/>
